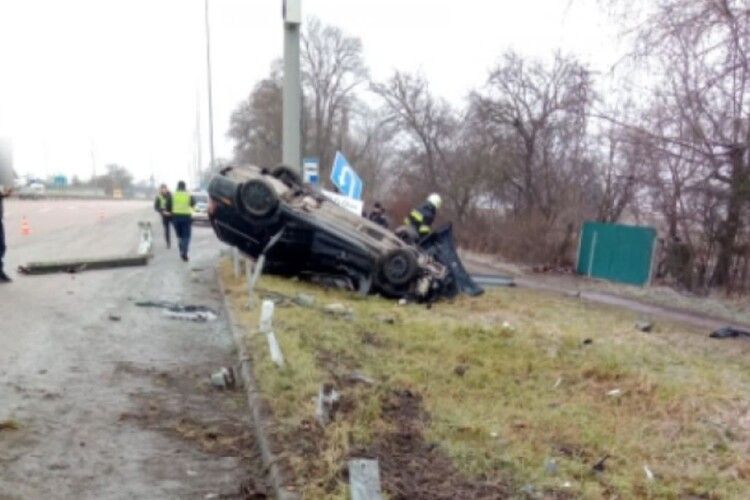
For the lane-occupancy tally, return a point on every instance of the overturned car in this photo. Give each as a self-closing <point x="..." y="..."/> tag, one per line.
<point x="303" y="233"/>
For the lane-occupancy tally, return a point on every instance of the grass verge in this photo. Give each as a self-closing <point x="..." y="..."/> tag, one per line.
<point x="515" y="392"/>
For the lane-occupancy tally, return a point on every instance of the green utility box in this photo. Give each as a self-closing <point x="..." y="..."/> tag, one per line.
<point x="616" y="252"/>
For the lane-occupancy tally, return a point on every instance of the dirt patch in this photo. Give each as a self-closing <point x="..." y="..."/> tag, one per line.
<point x="184" y="406"/>
<point x="410" y="467"/>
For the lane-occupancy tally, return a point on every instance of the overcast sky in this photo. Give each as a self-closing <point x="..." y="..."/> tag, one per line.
<point x="84" y="83"/>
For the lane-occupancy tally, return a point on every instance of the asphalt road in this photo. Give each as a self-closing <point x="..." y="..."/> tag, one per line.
<point x="105" y="408"/>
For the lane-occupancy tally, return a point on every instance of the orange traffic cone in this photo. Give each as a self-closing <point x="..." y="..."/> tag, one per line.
<point x="25" y="229"/>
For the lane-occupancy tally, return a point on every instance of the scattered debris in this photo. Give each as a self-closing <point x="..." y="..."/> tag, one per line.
<point x="80" y="265"/>
<point x="649" y="474"/>
<point x="114" y="317"/>
<point x="388" y="320"/>
<point x="304" y="300"/>
<point x="326" y="404"/>
<point x="402" y="302"/>
<point x="614" y="393"/>
<point x="550" y="467"/>
<point x="567" y="484"/>
<point x="224" y="378"/>
<point x="587" y="341"/>
<point x="197" y="313"/>
<point x="729" y="332"/>
<point x="507" y="326"/>
<point x="460" y="370"/>
<point x="356" y="376"/>
<point x="9" y="425"/>
<point x="337" y="309"/>
<point x="599" y="466"/>
<point x="528" y="489"/>
<point x="364" y="479"/>
<point x="494" y="280"/>
<point x="557" y="383"/>
<point x="494" y="434"/>
<point x="644" y="326"/>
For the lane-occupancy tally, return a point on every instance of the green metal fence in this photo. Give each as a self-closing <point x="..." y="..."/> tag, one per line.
<point x="616" y="252"/>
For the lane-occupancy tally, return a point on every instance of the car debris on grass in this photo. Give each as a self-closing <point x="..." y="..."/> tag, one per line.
<point x="488" y="432"/>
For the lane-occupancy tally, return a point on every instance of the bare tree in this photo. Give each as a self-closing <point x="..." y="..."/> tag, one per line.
<point x="256" y="126"/>
<point x="333" y="68"/>
<point x="441" y="150"/>
<point x="539" y="115"/>
<point x="702" y="48"/>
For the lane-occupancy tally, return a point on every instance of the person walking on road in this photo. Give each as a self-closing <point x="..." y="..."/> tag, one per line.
<point x="163" y="199"/>
<point x="181" y="208"/>
<point x="4" y="278"/>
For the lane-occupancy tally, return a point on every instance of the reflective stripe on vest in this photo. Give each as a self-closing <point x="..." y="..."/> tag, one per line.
<point x="181" y="203"/>
<point x="416" y="215"/>
<point x="162" y="202"/>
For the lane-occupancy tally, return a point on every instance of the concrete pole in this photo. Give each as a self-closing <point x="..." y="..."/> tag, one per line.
<point x="210" y="93"/>
<point x="292" y="116"/>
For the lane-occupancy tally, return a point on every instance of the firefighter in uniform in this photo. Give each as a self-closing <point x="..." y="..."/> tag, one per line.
<point x="422" y="217"/>
<point x="160" y="205"/>
<point x="181" y="208"/>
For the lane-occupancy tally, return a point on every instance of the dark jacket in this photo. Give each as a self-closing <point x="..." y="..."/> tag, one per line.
<point x="1" y="205"/>
<point x="421" y="218"/>
<point x="168" y="206"/>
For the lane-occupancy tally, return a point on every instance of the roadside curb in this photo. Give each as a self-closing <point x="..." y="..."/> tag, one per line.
<point x="254" y="401"/>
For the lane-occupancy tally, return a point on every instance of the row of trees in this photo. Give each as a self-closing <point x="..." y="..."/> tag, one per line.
<point x="536" y="150"/>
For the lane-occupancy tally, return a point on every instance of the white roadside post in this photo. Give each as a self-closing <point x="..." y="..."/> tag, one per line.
<point x="236" y="262"/>
<point x="266" y="328"/>
<point x="145" y="247"/>
<point x="249" y="278"/>
<point x="364" y="479"/>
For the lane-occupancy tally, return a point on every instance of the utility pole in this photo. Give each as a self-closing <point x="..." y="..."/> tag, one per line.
<point x="292" y="115"/>
<point x="210" y="96"/>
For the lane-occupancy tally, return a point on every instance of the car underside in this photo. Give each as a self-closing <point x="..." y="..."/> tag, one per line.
<point x="302" y="233"/>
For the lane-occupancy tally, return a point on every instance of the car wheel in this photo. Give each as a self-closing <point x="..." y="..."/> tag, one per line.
<point x="287" y="175"/>
<point x="259" y="199"/>
<point x="399" y="267"/>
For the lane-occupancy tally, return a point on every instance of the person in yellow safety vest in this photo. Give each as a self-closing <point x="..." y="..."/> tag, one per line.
<point x="180" y="206"/>
<point x="163" y="198"/>
<point x="421" y="218"/>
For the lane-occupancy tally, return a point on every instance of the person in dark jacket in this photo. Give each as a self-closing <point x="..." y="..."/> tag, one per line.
<point x="4" y="278"/>
<point x="163" y="199"/>
<point x="377" y="215"/>
<point x="421" y="218"/>
<point x="181" y="207"/>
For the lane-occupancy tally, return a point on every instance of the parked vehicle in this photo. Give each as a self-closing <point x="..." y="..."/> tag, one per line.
<point x="304" y="234"/>
<point x="33" y="191"/>
<point x="200" y="210"/>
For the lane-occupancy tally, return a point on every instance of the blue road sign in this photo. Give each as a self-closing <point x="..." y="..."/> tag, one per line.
<point x="345" y="178"/>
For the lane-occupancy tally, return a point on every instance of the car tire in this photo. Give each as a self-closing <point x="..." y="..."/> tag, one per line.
<point x="259" y="199"/>
<point x="398" y="267"/>
<point x="287" y="175"/>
